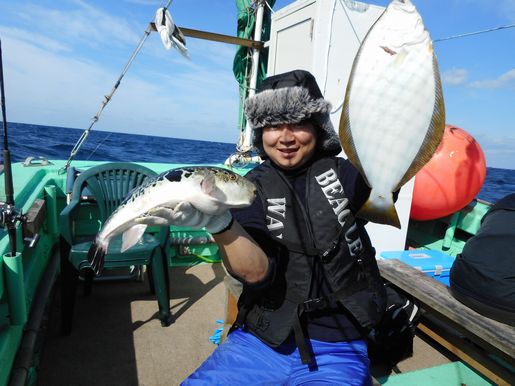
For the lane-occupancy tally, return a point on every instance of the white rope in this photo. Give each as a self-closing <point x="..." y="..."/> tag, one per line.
<point x="270" y="8"/>
<point x="176" y="34"/>
<point x="107" y="99"/>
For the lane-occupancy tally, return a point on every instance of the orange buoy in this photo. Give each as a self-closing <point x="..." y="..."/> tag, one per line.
<point x="451" y="179"/>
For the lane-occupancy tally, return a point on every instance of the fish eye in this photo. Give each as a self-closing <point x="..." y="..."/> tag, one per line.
<point x="232" y="177"/>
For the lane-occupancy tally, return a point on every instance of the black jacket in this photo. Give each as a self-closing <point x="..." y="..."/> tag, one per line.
<point x="325" y="279"/>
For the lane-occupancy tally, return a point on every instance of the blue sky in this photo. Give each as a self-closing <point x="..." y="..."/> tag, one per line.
<point x="62" y="56"/>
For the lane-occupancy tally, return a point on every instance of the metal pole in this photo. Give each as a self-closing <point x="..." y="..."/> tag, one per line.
<point x="247" y="135"/>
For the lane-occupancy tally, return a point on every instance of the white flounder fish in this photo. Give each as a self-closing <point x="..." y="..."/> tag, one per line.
<point x="393" y="117"/>
<point x="211" y="190"/>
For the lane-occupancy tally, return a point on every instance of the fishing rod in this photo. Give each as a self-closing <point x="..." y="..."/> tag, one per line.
<point x="8" y="213"/>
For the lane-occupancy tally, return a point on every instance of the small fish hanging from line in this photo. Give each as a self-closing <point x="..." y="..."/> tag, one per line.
<point x="171" y="35"/>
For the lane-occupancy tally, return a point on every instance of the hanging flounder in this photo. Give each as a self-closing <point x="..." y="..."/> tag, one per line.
<point x="393" y="115"/>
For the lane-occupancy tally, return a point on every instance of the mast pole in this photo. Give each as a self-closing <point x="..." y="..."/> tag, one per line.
<point x="247" y="135"/>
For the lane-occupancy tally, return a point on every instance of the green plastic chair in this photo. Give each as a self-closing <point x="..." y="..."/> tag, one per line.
<point x="96" y="193"/>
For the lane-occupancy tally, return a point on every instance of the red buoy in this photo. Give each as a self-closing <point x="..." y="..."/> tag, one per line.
<point x="451" y="179"/>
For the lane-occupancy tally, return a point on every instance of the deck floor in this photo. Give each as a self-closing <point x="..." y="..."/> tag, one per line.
<point x="118" y="340"/>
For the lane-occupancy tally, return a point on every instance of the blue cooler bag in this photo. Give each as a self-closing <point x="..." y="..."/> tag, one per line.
<point x="433" y="263"/>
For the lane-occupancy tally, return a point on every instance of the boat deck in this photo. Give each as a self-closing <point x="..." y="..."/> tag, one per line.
<point x="118" y="340"/>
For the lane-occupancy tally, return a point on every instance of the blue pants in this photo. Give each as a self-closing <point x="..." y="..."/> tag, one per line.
<point x="244" y="360"/>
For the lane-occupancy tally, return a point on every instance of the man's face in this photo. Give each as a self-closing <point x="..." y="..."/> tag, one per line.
<point x="290" y="145"/>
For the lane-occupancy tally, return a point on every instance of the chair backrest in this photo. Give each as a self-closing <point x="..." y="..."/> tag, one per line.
<point x="110" y="183"/>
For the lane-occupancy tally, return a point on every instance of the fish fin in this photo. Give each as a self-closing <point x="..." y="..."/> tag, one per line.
<point x="345" y="132"/>
<point x="380" y="209"/>
<point x="208" y="183"/>
<point x="96" y="257"/>
<point x="346" y="139"/>
<point x="152" y="220"/>
<point x="132" y="235"/>
<point x="400" y="57"/>
<point x="434" y="134"/>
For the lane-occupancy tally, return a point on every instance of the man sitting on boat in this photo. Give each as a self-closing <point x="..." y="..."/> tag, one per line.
<point x="311" y="286"/>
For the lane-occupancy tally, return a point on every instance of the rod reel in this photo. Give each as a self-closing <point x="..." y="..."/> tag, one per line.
<point x="9" y="215"/>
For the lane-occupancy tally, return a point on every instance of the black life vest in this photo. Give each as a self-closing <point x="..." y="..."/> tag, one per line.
<point x="324" y="230"/>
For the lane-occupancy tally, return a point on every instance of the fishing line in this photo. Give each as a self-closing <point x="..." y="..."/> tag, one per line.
<point x="107" y="98"/>
<point x="99" y="144"/>
<point x="330" y="28"/>
<point x="344" y="4"/>
<point x="340" y="105"/>
<point x="475" y="33"/>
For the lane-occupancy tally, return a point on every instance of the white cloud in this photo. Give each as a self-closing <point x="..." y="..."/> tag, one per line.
<point x="507" y="9"/>
<point x="81" y="23"/>
<point x="504" y="8"/>
<point x="506" y="80"/>
<point x="496" y="145"/>
<point x="459" y="76"/>
<point x="46" y="87"/>
<point x="499" y="150"/>
<point x="39" y="40"/>
<point x="455" y="76"/>
<point x="142" y="2"/>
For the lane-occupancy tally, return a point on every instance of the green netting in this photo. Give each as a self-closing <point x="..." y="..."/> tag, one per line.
<point x="243" y="59"/>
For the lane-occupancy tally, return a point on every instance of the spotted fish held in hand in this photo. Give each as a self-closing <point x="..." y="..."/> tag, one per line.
<point x="211" y="190"/>
<point x="393" y="116"/>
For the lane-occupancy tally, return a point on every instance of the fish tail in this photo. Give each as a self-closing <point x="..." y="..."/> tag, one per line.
<point x="380" y="209"/>
<point x="96" y="256"/>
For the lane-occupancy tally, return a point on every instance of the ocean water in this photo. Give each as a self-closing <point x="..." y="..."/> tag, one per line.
<point x="57" y="142"/>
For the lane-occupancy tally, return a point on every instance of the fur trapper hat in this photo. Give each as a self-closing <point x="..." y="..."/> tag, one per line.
<point x="291" y="97"/>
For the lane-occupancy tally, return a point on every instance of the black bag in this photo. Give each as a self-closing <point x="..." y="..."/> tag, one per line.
<point x="483" y="275"/>
<point x="392" y="340"/>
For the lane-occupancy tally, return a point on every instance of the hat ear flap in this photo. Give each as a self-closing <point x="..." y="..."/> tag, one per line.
<point x="257" y="141"/>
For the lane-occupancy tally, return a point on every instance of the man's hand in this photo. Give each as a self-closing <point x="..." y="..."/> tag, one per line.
<point x="186" y="215"/>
